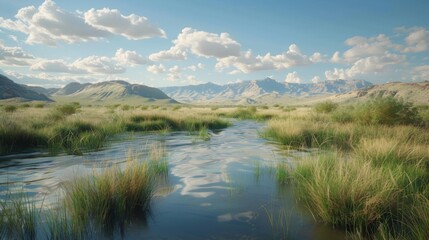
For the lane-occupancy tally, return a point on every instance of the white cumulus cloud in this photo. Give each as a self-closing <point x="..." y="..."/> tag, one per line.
<point x="174" y="53"/>
<point x="49" y="24"/>
<point x="131" y="58"/>
<point x="316" y="79"/>
<point x="200" y="43"/>
<point x="156" y="69"/>
<point x="133" y="27"/>
<point x="417" y="41"/>
<point x="293" y="78"/>
<point x="98" y="65"/>
<point x="316" y="57"/>
<point x="55" y="65"/>
<point x="364" y="47"/>
<point x="247" y="62"/>
<point x="420" y="73"/>
<point x="14" y="56"/>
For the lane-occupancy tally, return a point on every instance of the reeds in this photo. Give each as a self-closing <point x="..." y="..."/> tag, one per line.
<point x="361" y="197"/>
<point x="99" y="203"/>
<point x="18" y="218"/>
<point x="111" y="197"/>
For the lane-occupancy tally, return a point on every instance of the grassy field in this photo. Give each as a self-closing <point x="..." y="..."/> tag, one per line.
<point x="371" y="177"/>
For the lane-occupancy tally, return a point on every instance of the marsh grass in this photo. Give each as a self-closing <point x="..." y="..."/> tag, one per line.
<point x="363" y="197"/>
<point x="304" y="134"/>
<point x="74" y="129"/>
<point x="76" y="136"/>
<point x="15" y="138"/>
<point x="18" y="217"/>
<point x="113" y="196"/>
<point x="93" y="205"/>
<point x="280" y="221"/>
<point x="204" y="134"/>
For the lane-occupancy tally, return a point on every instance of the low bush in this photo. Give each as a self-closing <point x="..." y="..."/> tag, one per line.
<point x="388" y="111"/>
<point x="10" y="108"/>
<point x="325" y="107"/>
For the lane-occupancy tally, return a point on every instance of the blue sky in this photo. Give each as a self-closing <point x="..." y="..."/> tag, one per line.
<point x="165" y="43"/>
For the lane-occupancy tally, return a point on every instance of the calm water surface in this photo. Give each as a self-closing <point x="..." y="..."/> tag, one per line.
<point x="223" y="188"/>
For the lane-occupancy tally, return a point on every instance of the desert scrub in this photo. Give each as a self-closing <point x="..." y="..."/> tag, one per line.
<point x="67" y="109"/>
<point x="10" y="108"/>
<point x="325" y="107"/>
<point x="112" y="196"/>
<point x="388" y="110"/>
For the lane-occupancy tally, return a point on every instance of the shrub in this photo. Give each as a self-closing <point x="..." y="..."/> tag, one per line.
<point x="125" y="107"/>
<point x="388" y="110"/>
<point x="39" y="105"/>
<point x="10" y="108"/>
<point x="67" y="109"/>
<point x="325" y="107"/>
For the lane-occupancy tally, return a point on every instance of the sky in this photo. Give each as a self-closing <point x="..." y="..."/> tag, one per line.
<point x="173" y="43"/>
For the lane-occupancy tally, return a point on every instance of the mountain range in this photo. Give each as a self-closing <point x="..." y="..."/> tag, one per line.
<point x="266" y="91"/>
<point x="255" y="90"/>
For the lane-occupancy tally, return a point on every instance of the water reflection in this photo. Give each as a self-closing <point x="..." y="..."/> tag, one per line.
<point x="214" y="190"/>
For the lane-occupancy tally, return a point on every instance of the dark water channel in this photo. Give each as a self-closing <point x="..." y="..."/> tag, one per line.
<point x="223" y="188"/>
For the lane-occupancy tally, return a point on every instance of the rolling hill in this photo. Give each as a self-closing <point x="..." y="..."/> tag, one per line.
<point x="111" y="91"/>
<point x="10" y="90"/>
<point x="416" y="93"/>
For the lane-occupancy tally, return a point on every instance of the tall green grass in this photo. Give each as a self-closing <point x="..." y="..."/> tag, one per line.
<point x="363" y="198"/>
<point x="99" y="203"/>
<point x="111" y="197"/>
<point x="18" y="217"/>
<point x="77" y="136"/>
<point x="15" y="138"/>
